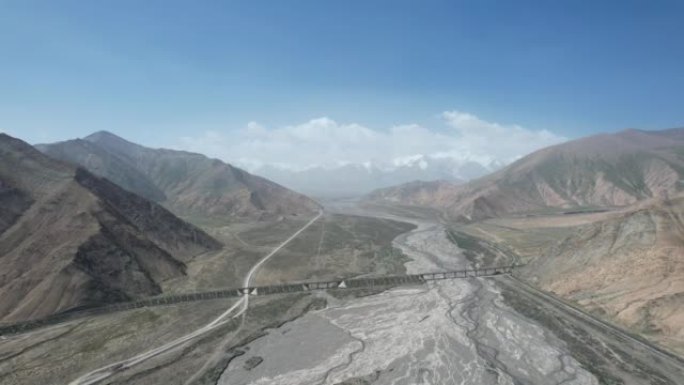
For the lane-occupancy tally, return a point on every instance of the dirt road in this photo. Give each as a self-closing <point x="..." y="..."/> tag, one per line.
<point x="107" y="371"/>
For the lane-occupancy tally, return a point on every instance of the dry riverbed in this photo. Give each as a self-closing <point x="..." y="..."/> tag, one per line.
<point x="448" y="332"/>
<point x="474" y="331"/>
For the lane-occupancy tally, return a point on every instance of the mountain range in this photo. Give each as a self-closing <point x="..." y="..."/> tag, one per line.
<point x="95" y="221"/>
<point x="70" y="239"/>
<point x="190" y="185"/>
<point x="605" y="170"/>
<point x="357" y="179"/>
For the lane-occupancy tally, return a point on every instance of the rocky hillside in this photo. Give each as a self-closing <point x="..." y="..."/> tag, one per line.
<point x="599" y="171"/>
<point x="629" y="268"/>
<point x="71" y="239"/>
<point x="188" y="184"/>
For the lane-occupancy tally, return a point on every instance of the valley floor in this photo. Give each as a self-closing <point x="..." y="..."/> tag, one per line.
<point x="475" y="331"/>
<point x="465" y="331"/>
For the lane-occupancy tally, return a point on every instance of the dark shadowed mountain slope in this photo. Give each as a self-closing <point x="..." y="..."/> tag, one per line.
<point x="599" y="171"/>
<point x="189" y="184"/>
<point x="70" y="239"/>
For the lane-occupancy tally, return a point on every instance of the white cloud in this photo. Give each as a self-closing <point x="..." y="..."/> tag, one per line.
<point x="325" y="142"/>
<point x="494" y="142"/>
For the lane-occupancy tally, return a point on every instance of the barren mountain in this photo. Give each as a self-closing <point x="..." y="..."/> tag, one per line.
<point x="437" y="193"/>
<point x="599" y="171"/>
<point x="629" y="267"/>
<point x="71" y="239"/>
<point x="188" y="184"/>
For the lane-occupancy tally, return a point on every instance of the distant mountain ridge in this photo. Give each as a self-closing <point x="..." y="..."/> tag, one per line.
<point x="598" y="171"/>
<point x="189" y="184"/>
<point x="71" y="239"/>
<point x="357" y="179"/>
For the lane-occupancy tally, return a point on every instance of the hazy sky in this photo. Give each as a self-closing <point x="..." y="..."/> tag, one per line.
<point x="252" y="75"/>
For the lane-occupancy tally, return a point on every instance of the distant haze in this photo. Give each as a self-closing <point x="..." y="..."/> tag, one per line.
<point x="323" y="157"/>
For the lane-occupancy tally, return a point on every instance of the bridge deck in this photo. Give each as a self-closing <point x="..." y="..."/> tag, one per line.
<point x="342" y="284"/>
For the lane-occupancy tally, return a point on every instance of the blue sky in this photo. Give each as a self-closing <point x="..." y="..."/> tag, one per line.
<point x="169" y="72"/>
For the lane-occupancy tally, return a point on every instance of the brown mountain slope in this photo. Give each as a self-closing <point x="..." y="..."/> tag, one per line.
<point x="629" y="267"/>
<point x="189" y="184"/>
<point x="419" y="193"/>
<point x="598" y="171"/>
<point x="102" y="163"/>
<point x="71" y="239"/>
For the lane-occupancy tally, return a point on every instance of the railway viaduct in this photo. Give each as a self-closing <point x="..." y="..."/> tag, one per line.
<point x="341" y="284"/>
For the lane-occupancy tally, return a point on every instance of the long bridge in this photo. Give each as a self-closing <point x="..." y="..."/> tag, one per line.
<point x="340" y="284"/>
